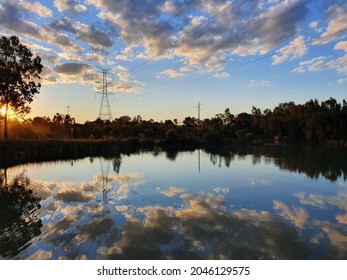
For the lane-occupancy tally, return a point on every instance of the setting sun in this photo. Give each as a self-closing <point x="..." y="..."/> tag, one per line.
<point x="11" y="114"/>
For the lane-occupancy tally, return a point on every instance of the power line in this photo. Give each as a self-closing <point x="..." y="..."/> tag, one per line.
<point x="181" y="11"/>
<point x="214" y="19"/>
<point x="237" y="38"/>
<point x="239" y="65"/>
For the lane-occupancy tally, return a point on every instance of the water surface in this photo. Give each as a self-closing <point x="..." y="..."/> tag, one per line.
<point x="187" y="205"/>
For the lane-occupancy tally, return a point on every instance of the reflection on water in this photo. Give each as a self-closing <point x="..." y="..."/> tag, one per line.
<point x="19" y="222"/>
<point x="189" y="205"/>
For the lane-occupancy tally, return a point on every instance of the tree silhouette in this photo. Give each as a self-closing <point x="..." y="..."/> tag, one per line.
<point x="19" y="73"/>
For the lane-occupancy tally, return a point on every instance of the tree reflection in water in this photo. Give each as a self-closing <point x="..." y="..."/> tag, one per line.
<point x="331" y="163"/>
<point x="133" y="218"/>
<point x="19" y="221"/>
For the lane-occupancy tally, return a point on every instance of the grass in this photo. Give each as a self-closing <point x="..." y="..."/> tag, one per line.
<point x="36" y="150"/>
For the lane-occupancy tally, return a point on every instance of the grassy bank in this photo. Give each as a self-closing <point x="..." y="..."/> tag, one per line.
<point x="36" y="150"/>
<point x="13" y="152"/>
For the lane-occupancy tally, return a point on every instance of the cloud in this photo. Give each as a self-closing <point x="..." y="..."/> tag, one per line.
<point x="72" y="72"/>
<point x="297" y="216"/>
<point x="337" y="236"/>
<point x="138" y="23"/>
<point x="312" y="200"/>
<point x="261" y="83"/>
<point x="125" y="87"/>
<point x="172" y="191"/>
<point x="11" y="14"/>
<point x="72" y="68"/>
<point x="315" y="26"/>
<point x="72" y="6"/>
<point x="37" y="8"/>
<point x="314" y="64"/>
<point x="70" y="56"/>
<point x="342" y="45"/>
<point x="122" y="57"/>
<point x="220" y="75"/>
<point x="171" y="73"/>
<point x="323" y="201"/>
<point x="202" y="34"/>
<point x="336" y="16"/>
<point x="73" y="196"/>
<point x="95" y="57"/>
<point x="52" y="59"/>
<point x="41" y="255"/>
<point x="342" y="219"/>
<point x="202" y="38"/>
<point x="296" y="49"/>
<point x="323" y="63"/>
<point x="87" y="33"/>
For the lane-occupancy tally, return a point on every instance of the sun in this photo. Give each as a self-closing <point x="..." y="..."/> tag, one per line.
<point x="11" y="114"/>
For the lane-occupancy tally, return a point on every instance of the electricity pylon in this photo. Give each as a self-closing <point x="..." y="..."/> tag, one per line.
<point x="105" y="108"/>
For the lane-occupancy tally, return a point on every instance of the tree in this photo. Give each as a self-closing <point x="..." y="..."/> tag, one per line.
<point x="19" y="73"/>
<point x="58" y="119"/>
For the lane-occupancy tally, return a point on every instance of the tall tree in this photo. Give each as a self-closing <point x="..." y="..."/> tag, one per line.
<point x="19" y="75"/>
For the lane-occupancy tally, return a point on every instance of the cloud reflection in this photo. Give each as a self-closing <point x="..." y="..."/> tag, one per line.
<point x="121" y="216"/>
<point x="297" y="216"/>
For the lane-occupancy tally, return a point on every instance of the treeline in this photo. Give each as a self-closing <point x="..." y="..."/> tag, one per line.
<point x="312" y="122"/>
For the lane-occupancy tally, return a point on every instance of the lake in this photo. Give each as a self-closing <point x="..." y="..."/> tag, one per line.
<point x="269" y="203"/>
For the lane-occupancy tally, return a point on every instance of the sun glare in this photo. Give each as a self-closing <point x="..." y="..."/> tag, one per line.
<point x="10" y="114"/>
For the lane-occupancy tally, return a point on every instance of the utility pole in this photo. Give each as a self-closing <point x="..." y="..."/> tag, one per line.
<point x="105" y="108"/>
<point x="68" y="110"/>
<point x="199" y="110"/>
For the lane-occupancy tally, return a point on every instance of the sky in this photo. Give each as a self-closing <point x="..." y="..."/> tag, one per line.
<point x="164" y="57"/>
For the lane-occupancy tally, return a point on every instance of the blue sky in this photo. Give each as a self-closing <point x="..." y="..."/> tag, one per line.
<point x="165" y="56"/>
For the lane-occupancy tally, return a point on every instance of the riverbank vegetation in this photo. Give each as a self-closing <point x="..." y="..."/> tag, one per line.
<point x="310" y="123"/>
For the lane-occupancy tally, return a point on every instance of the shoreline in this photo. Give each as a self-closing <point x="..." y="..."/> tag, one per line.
<point x="15" y="152"/>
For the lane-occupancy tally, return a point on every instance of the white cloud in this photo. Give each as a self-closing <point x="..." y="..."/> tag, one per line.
<point x="342" y="45"/>
<point x="173" y="191"/>
<point x="95" y="57"/>
<point x="122" y="57"/>
<point x="123" y="76"/>
<point x="70" y="56"/>
<point x="72" y="6"/>
<point x="36" y="47"/>
<point x="125" y="88"/>
<point x="221" y="75"/>
<point x="315" y="26"/>
<point x="216" y="28"/>
<point x="262" y="83"/>
<point x="337" y="21"/>
<point x="322" y="63"/>
<point x="171" y="73"/>
<point x="314" y="64"/>
<point x="11" y="19"/>
<point x="296" y="49"/>
<point x="37" y="8"/>
<point x="297" y="216"/>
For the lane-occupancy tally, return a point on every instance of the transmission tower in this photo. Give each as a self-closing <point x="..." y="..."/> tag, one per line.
<point x="199" y="110"/>
<point x="105" y="108"/>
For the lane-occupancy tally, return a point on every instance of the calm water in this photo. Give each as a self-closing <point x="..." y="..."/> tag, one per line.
<point x="187" y="205"/>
